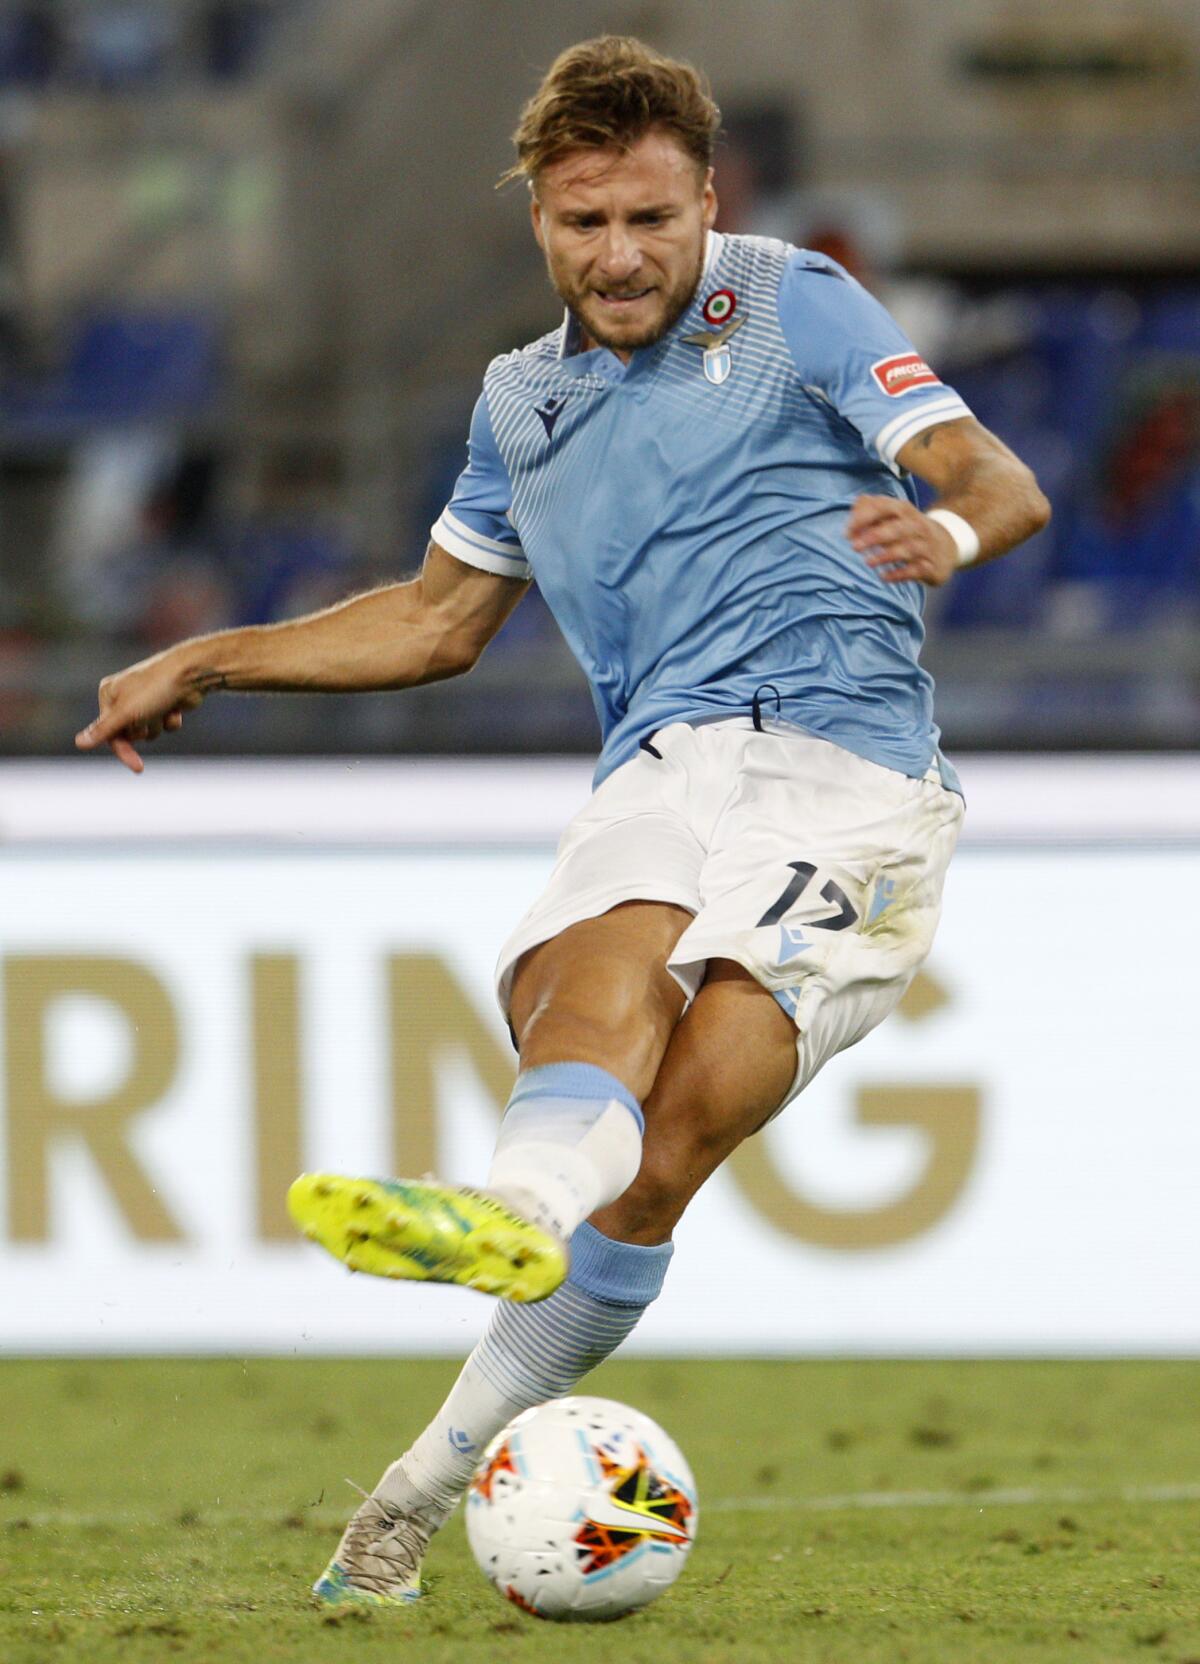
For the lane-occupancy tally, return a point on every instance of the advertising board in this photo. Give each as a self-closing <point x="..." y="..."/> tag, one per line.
<point x="192" y="1016"/>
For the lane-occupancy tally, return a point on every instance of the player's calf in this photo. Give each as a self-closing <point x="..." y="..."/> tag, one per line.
<point x="728" y="1068"/>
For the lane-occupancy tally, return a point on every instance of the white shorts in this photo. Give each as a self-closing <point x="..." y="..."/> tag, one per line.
<point x="819" y="872"/>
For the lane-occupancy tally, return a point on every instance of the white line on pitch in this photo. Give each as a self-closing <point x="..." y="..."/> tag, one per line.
<point x="953" y="1499"/>
<point x="1015" y="1497"/>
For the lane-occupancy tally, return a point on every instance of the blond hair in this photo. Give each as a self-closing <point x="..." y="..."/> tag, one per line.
<point x="610" y="92"/>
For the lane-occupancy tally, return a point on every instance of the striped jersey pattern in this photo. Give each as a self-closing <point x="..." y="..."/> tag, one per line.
<point x="684" y="514"/>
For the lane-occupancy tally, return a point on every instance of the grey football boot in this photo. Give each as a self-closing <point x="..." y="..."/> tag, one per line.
<point x="378" y="1561"/>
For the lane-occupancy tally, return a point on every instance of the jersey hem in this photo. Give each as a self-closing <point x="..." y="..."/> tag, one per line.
<point x="783" y="727"/>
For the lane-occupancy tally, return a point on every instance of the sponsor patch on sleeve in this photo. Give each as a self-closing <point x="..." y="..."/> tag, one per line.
<point x="902" y="374"/>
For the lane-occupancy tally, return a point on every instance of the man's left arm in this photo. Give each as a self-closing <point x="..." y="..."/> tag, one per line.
<point x="989" y="492"/>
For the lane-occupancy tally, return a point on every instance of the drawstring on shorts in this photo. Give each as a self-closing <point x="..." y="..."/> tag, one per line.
<point x="756" y="704"/>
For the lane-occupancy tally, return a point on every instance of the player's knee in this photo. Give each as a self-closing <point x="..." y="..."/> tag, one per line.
<point x="621" y="1041"/>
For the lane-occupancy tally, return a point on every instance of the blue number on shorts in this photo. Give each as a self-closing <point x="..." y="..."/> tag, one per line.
<point x="803" y="873"/>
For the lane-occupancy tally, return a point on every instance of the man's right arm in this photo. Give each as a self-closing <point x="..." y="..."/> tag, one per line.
<point x="399" y="636"/>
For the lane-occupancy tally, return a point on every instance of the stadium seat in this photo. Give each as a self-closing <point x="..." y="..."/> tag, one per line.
<point x="122" y="367"/>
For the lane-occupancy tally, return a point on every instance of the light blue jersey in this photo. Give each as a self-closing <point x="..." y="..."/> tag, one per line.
<point x="684" y="515"/>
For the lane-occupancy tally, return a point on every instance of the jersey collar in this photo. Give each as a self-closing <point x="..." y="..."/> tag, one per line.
<point x="714" y="243"/>
<point x="570" y="338"/>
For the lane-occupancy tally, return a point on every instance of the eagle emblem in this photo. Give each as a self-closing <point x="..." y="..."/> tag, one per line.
<point x="717" y="360"/>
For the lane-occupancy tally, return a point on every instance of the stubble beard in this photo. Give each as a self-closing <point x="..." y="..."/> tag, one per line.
<point x="675" y="305"/>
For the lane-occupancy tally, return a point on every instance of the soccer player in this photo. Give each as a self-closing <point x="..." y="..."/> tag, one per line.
<point x="708" y="468"/>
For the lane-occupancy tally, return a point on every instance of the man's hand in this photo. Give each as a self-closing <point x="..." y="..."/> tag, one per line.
<point x="900" y="541"/>
<point x="137" y="704"/>
<point x="399" y="636"/>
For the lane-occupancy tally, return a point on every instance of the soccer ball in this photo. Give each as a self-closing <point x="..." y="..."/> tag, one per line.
<point x="581" y="1510"/>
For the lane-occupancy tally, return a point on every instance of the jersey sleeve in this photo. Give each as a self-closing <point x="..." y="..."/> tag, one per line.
<point x="474" y="526"/>
<point x="850" y="351"/>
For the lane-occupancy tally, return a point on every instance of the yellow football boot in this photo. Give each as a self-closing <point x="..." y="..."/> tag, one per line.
<point x="429" y="1233"/>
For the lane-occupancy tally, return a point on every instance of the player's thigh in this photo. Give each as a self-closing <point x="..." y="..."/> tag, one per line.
<point x="600" y="992"/>
<point x="632" y="842"/>
<point x="585" y="975"/>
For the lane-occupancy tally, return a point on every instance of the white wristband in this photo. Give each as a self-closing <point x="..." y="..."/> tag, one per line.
<point x="966" y="538"/>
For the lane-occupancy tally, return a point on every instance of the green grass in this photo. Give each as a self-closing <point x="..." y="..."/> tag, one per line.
<point x="179" y="1510"/>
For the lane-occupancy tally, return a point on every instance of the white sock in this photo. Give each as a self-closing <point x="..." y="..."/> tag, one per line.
<point x="570" y="1142"/>
<point x="434" y="1472"/>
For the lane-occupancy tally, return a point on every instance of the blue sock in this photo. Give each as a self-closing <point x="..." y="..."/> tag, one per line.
<point x="544" y="1349"/>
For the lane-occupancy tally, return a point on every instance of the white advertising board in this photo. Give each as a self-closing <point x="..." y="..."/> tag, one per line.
<point x="190" y="1015"/>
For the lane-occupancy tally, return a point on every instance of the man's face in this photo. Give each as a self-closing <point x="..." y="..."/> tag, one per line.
<point x="623" y="235"/>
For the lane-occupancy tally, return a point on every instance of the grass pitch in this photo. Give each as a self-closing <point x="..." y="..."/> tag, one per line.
<point x="1013" y="1513"/>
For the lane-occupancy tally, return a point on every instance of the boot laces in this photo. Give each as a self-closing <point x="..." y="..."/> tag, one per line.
<point x="381" y="1531"/>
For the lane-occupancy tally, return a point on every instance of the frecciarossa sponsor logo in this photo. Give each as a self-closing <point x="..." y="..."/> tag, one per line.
<point x="903" y="373"/>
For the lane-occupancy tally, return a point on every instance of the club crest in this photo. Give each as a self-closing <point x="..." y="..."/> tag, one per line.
<point x="718" y="359"/>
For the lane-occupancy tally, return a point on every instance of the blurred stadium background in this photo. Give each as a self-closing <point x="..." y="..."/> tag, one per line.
<point x="252" y="265"/>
